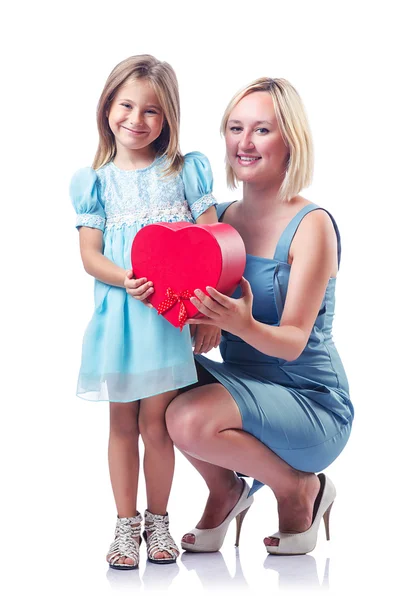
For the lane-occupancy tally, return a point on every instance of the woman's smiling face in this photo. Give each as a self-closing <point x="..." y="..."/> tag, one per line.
<point x="255" y="147"/>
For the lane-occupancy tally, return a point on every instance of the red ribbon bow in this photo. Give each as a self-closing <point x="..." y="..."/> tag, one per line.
<point x="173" y="298"/>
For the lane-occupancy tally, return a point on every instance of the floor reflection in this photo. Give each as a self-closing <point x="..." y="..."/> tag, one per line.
<point x="212" y="571"/>
<point x="298" y="572"/>
<point x="294" y="573"/>
<point x="124" y="580"/>
<point x="153" y="578"/>
<point x="158" y="577"/>
<point x="210" y="568"/>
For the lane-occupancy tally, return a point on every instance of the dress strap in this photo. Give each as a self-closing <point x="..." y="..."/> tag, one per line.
<point x="284" y="243"/>
<point x="221" y="208"/>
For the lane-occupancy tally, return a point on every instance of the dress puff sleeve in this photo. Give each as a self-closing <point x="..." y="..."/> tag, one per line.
<point x="198" y="181"/>
<point x="85" y="198"/>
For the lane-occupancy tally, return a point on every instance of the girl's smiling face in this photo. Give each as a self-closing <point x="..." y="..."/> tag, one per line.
<point x="255" y="147"/>
<point x="135" y="116"/>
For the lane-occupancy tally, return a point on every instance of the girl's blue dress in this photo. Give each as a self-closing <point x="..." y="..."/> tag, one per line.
<point x="129" y="351"/>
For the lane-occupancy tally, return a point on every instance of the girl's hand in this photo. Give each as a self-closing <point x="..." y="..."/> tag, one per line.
<point x="206" y="337"/>
<point x="226" y="313"/>
<point x="139" y="289"/>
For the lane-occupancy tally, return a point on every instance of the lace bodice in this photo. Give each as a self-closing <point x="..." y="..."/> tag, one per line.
<point x="142" y="196"/>
<point x="111" y="198"/>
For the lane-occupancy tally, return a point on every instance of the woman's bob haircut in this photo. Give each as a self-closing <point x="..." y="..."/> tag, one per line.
<point x="294" y="127"/>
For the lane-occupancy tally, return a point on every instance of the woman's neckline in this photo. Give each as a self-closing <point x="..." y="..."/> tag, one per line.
<point x="156" y="159"/>
<point x="273" y="259"/>
<point x="247" y="253"/>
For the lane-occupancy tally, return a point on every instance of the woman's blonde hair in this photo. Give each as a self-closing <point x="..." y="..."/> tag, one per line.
<point x="164" y="82"/>
<point x="294" y="128"/>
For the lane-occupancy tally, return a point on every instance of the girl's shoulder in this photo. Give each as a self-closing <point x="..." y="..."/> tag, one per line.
<point x="103" y="170"/>
<point x="198" y="182"/>
<point x="196" y="166"/>
<point x="83" y="178"/>
<point x="195" y="158"/>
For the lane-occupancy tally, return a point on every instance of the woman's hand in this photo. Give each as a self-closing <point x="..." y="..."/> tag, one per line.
<point x="226" y="313"/>
<point x="140" y="289"/>
<point x="206" y="337"/>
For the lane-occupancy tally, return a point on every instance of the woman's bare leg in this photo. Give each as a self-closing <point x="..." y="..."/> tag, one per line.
<point x="222" y="483"/>
<point x="123" y="455"/>
<point x="205" y="423"/>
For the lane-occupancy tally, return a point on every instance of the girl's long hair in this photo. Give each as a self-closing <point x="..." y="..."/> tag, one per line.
<point x="163" y="79"/>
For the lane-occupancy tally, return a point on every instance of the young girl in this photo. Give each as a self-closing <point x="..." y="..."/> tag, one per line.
<point x="131" y="356"/>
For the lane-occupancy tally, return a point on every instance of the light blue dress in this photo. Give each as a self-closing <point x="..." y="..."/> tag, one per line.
<point x="300" y="409"/>
<point x="129" y="351"/>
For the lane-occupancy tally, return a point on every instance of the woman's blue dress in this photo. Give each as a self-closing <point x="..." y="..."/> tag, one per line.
<point x="129" y="351"/>
<point x="300" y="409"/>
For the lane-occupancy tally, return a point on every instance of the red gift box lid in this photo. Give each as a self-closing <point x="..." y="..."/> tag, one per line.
<point x="181" y="257"/>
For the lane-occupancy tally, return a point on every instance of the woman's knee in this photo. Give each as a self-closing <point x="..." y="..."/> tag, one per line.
<point x="188" y="421"/>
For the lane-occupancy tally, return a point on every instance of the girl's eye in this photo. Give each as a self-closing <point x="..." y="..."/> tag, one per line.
<point x="151" y="111"/>
<point x="235" y="128"/>
<point x="126" y="105"/>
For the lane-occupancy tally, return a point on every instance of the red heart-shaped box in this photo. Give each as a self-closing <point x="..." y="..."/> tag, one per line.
<point x="182" y="257"/>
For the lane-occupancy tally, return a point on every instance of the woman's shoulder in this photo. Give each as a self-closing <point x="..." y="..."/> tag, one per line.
<point x="316" y="232"/>
<point x="316" y="216"/>
<point x="229" y="206"/>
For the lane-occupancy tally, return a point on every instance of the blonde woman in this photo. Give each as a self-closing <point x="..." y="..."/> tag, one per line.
<point x="277" y="408"/>
<point x="132" y="357"/>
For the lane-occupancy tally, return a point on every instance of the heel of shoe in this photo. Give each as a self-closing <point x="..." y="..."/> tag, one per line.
<point x="302" y="543"/>
<point x="326" y="521"/>
<point x="211" y="540"/>
<point x="239" y="522"/>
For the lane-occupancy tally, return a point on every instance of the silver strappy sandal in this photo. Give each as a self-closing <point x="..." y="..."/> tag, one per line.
<point x="158" y="538"/>
<point x="125" y="543"/>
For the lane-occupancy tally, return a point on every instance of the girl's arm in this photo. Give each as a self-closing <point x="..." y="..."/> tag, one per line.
<point x="208" y="217"/>
<point x="95" y="263"/>
<point x="314" y="261"/>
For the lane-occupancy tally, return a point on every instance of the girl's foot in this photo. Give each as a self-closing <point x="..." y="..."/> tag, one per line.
<point x="217" y="509"/>
<point x="295" y="510"/>
<point x="161" y="548"/>
<point x="124" y="550"/>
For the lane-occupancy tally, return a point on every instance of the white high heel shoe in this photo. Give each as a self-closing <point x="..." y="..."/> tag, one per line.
<point x="211" y="540"/>
<point x="302" y="543"/>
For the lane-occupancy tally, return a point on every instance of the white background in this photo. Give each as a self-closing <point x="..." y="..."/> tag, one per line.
<point x="58" y="515"/>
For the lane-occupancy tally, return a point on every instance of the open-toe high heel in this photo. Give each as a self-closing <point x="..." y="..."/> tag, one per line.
<point x="211" y="540"/>
<point x="302" y="543"/>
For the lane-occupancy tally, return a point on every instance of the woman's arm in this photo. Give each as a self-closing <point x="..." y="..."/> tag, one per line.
<point x="95" y="263"/>
<point x="314" y="261"/>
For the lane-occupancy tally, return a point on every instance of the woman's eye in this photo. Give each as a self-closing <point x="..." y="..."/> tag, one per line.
<point x="262" y="130"/>
<point x="126" y="105"/>
<point x="235" y="129"/>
